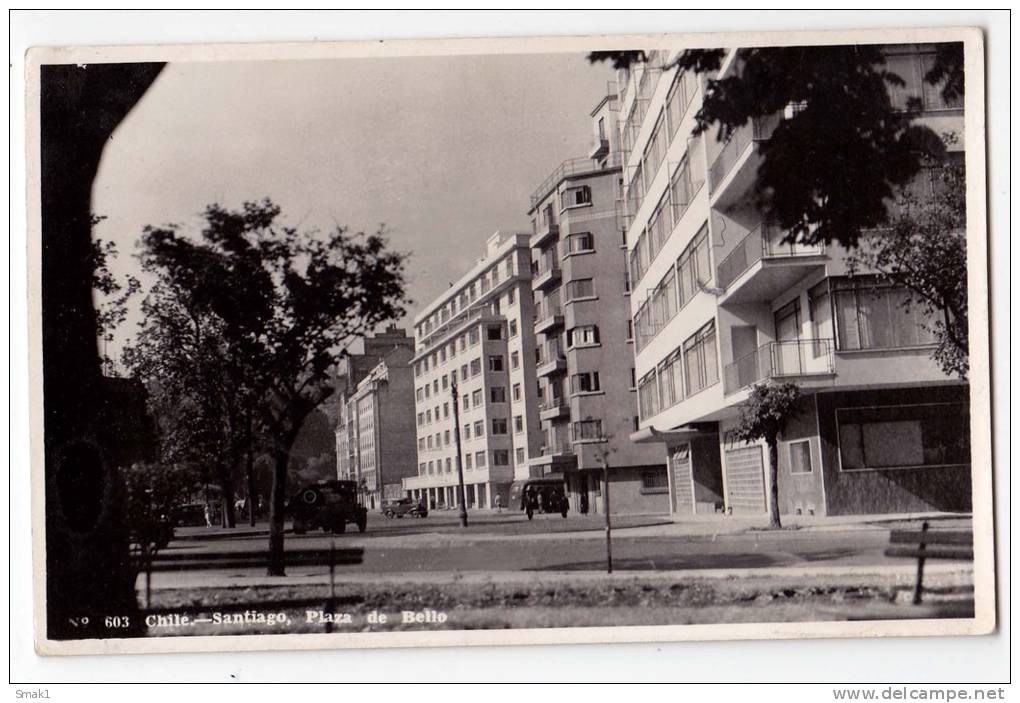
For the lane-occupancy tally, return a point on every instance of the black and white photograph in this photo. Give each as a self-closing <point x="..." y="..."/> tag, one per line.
<point x="451" y="342"/>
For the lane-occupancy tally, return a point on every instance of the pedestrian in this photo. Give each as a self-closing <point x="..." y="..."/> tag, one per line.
<point x="208" y="514"/>
<point x="499" y="503"/>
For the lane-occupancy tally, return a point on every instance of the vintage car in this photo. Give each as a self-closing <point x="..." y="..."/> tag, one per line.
<point x="404" y="506"/>
<point x="328" y="505"/>
<point x="539" y="495"/>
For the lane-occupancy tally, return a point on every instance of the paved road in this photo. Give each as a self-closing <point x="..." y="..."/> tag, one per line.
<point x="509" y="542"/>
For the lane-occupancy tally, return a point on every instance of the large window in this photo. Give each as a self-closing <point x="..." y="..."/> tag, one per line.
<point x="659" y="226"/>
<point x="582" y="242"/>
<point x="693" y="266"/>
<point x="498" y="425"/>
<point x="701" y="361"/>
<point x="476" y="367"/>
<point x="903" y="436"/>
<point x="500" y="457"/>
<point x="586" y="335"/>
<point x="682" y="189"/>
<point x="648" y="397"/>
<point x="587" y="382"/>
<point x="912" y="68"/>
<point x="655" y="151"/>
<point x="576" y="197"/>
<point x="497" y="394"/>
<point x="670" y="380"/>
<point x="496" y="362"/>
<point x="580" y="288"/>
<point x="872" y="315"/>
<point x="588" y="430"/>
<point x="654" y="482"/>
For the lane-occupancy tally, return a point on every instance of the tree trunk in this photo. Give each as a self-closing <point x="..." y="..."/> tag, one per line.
<point x="277" y="508"/>
<point x="229" y="519"/>
<point x="253" y="498"/>
<point x="774" y="522"/>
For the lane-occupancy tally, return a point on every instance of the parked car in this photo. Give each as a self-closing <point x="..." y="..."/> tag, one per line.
<point x="404" y="506"/>
<point x="328" y="505"/>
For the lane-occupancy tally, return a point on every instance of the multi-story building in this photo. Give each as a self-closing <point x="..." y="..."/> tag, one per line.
<point x="375" y="398"/>
<point x="475" y="363"/>
<point x="588" y="399"/>
<point x="720" y="302"/>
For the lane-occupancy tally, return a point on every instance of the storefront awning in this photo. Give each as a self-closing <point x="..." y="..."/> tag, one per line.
<point x="683" y="433"/>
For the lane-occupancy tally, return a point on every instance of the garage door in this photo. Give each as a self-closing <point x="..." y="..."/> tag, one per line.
<point x="683" y="490"/>
<point x="745" y="480"/>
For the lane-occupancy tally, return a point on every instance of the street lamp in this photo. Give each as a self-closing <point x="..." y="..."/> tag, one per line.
<point x="460" y="468"/>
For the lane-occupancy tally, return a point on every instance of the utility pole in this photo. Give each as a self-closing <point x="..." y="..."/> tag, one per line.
<point x="460" y="468"/>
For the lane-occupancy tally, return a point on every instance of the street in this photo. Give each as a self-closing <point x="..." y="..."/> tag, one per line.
<point x="509" y="542"/>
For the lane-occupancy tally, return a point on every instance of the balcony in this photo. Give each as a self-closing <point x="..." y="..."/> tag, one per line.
<point x="571" y="168"/>
<point x="552" y="320"/>
<point x="554" y="408"/>
<point x="546" y="226"/>
<point x="546" y="275"/>
<point x="762" y="265"/>
<point x="550" y="361"/>
<point x="599" y="147"/>
<point x="733" y="171"/>
<point x="796" y="358"/>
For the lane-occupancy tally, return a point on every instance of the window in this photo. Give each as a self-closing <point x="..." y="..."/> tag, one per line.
<point x="497" y="394"/>
<point x="587" y="335"/>
<point x="501" y="457"/>
<point x="654" y="482"/>
<point x="585" y="382"/>
<point x="494" y="332"/>
<point x="872" y="315"/>
<point x="513" y="328"/>
<point x="466" y="403"/>
<point x="479" y="459"/>
<point x="903" y="436"/>
<point x="670" y="380"/>
<point x="428" y="390"/>
<point x="515" y="360"/>
<point x="660" y="226"/>
<point x="432" y="467"/>
<point x="517" y="391"/>
<point x="496" y="362"/>
<point x="435" y="386"/>
<point x="419" y="395"/>
<point x="476" y="397"/>
<point x="648" y="397"/>
<point x="800" y="457"/>
<point x="656" y="149"/>
<point x="701" y="359"/>
<point x="442" y="354"/>
<point x="693" y="267"/>
<point x="630" y="330"/>
<point x="429" y="438"/>
<point x="473" y="336"/>
<point x="476" y="367"/>
<point x="498" y="425"/>
<point x="479" y="428"/>
<point x="520" y="455"/>
<point x="467" y="431"/>
<point x="449" y="465"/>
<point x="576" y="197"/>
<point x="588" y="430"/>
<point x="682" y="190"/>
<point x="421" y="469"/>
<point x="421" y="418"/>
<point x="912" y="69"/>
<point x="446" y="410"/>
<point x="421" y="443"/>
<point x="820" y="307"/>
<point x="518" y="423"/>
<point x="463" y="342"/>
<point x="446" y="438"/>
<point x="453" y="376"/>
<point x="428" y="415"/>
<point x="510" y="294"/>
<point x="580" y="243"/>
<point x="464" y="371"/>
<point x="580" y="288"/>
<point x="467" y="460"/>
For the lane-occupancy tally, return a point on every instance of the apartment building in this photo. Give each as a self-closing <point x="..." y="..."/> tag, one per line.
<point x="720" y="302"/>
<point x="375" y="398"/>
<point x="475" y="364"/>
<point x="584" y="355"/>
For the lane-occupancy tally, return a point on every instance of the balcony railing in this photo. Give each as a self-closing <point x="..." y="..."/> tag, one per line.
<point x="572" y="167"/>
<point x="798" y="357"/>
<point x="758" y="129"/>
<point x="558" y="447"/>
<point x="554" y="403"/>
<point x="766" y="241"/>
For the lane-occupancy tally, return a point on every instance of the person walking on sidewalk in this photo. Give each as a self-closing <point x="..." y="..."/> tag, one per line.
<point x="499" y="503"/>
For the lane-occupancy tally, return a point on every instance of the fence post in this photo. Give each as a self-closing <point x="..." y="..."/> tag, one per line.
<point x="918" y="587"/>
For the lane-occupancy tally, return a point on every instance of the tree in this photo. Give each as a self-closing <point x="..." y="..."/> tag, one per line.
<point x="287" y="303"/>
<point x="823" y="176"/>
<point x="113" y="294"/>
<point x="764" y="416"/>
<point x="923" y="249"/>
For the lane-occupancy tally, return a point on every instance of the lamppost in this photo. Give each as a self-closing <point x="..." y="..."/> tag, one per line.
<point x="460" y="469"/>
<point x="604" y="457"/>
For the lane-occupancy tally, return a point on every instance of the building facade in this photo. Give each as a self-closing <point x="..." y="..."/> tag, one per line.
<point x="375" y="398"/>
<point x="721" y="302"/>
<point x="474" y="376"/>
<point x="584" y="355"/>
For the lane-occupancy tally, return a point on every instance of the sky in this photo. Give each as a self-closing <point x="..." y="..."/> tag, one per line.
<point x="443" y="151"/>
